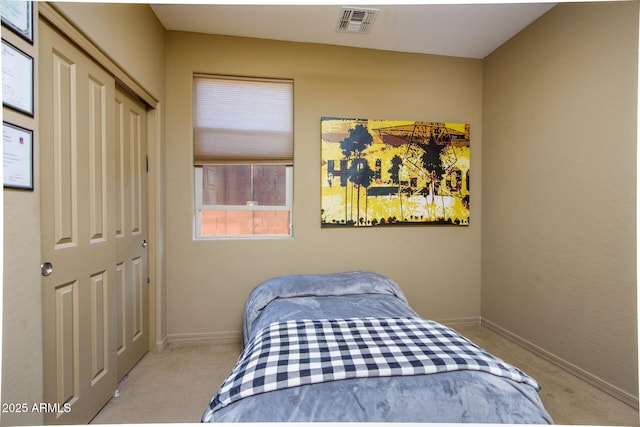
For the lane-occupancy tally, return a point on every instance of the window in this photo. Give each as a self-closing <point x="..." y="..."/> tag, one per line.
<point x="243" y="156"/>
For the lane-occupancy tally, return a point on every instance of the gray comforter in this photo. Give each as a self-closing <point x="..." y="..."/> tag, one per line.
<point x="457" y="396"/>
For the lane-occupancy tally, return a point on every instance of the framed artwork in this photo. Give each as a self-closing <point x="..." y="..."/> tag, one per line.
<point x="17" y="79"/>
<point x="394" y="172"/>
<point x="17" y="15"/>
<point x="17" y="157"/>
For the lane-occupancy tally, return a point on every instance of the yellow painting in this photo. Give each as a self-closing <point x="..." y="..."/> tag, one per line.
<point x="392" y="172"/>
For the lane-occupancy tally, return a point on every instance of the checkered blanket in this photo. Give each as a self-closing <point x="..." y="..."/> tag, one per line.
<point x="299" y="352"/>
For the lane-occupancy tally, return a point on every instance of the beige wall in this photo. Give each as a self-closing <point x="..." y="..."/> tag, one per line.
<point x="139" y="47"/>
<point x="438" y="267"/>
<point x="559" y="193"/>
<point x="130" y="34"/>
<point x="21" y="311"/>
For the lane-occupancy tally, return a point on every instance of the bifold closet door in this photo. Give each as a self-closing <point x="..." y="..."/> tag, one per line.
<point x="78" y="220"/>
<point x="131" y="231"/>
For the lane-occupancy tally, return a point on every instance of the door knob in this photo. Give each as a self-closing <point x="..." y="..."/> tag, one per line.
<point x="46" y="268"/>
<point x="144" y="243"/>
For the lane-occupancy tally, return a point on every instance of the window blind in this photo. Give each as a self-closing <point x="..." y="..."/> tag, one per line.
<point x="239" y="120"/>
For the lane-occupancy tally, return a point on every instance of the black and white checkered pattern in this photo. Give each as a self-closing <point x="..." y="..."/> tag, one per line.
<point x="299" y="352"/>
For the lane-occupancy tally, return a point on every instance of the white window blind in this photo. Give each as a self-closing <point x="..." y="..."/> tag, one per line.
<point x="239" y="120"/>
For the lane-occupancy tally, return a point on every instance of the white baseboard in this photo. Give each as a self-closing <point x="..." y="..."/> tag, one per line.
<point x="231" y="337"/>
<point x="162" y="344"/>
<point x="460" y="321"/>
<point x="595" y="381"/>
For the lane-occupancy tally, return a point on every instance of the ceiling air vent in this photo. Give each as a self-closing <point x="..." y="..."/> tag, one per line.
<point x="357" y="20"/>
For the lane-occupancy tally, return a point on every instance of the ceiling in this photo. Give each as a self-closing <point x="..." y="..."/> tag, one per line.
<point x="467" y="30"/>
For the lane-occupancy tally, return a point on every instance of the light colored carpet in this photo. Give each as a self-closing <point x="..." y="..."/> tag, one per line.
<point x="175" y="385"/>
<point x="172" y="386"/>
<point x="567" y="398"/>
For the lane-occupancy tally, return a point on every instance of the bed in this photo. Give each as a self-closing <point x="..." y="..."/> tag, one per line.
<point x="347" y="347"/>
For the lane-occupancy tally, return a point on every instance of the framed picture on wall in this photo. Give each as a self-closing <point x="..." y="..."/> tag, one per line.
<point x="17" y="79"/>
<point x="381" y="173"/>
<point x="17" y="156"/>
<point x="18" y="17"/>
